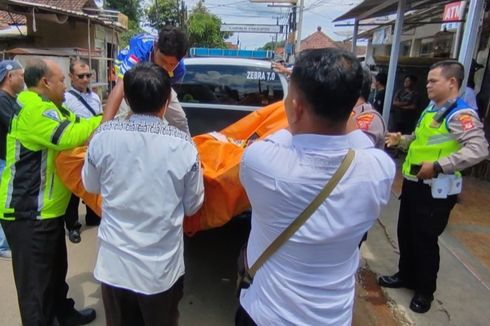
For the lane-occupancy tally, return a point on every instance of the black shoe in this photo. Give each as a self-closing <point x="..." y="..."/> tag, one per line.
<point x="392" y="281"/>
<point x="81" y="317"/>
<point x="421" y="303"/>
<point x="74" y="236"/>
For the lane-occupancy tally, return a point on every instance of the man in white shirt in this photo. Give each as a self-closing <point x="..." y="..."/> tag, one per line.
<point x="79" y="98"/>
<point x="310" y="279"/>
<point x="149" y="175"/>
<point x="85" y="104"/>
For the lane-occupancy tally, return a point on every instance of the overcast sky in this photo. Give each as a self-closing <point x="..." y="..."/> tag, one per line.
<point x="316" y="13"/>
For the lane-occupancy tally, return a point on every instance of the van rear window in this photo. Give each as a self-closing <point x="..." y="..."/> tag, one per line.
<point x="231" y="85"/>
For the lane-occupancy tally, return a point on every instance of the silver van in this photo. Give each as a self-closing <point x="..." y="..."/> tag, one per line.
<point x="216" y="92"/>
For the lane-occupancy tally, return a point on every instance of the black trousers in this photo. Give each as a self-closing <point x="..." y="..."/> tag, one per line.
<point x="242" y="318"/>
<point x="421" y="221"/>
<point x="40" y="265"/>
<point x="127" y="308"/>
<point x="71" y="215"/>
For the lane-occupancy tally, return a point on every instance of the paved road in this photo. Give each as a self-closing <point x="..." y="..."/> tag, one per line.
<point x="209" y="285"/>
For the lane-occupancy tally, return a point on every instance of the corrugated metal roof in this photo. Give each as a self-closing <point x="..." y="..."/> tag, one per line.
<point x="376" y="8"/>
<point x="410" y="20"/>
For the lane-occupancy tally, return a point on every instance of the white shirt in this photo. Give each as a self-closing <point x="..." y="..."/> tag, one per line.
<point x="174" y="114"/>
<point x="310" y="279"/>
<point x="73" y="104"/>
<point x="149" y="176"/>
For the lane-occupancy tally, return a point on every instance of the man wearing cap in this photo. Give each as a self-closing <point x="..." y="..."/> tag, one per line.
<point x="85" y="104"/>
<point x="11" y="83"/>
<point x="33" y="199"/>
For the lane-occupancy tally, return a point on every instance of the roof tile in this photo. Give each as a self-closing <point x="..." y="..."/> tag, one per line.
<point x="6" y="19"/>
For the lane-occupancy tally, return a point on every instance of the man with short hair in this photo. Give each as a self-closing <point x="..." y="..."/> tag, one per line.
<point x="379" y="93"/>
<point x="310" y="279"/>
<point x="364" y="117"/>
<point x="166" y="51"/>
<point x="448" y="138"/>
<point x="11" y="83"/>
<point x="404" y="108"/>
<point x="149" y="175"/>
<point x="33" y="200"/>
<point x="85" y="104"/>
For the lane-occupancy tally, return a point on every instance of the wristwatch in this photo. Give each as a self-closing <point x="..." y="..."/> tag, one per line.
<point x="437" y="167"/>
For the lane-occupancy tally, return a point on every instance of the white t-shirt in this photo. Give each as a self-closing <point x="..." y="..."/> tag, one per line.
<point x="310" y="279"/>
<point x="149" y="176"/>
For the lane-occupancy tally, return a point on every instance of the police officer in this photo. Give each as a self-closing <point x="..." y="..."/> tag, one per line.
<point x="33" y="199"/>
<point x="364" y="117"/>
<point x="448" y="138"/>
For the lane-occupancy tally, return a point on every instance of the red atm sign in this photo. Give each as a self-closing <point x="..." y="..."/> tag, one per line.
<point x="453" y="11"/>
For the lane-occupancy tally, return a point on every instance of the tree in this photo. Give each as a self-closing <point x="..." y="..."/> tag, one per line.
<point x="133" y="29"/>
<point x="270" y="45"/>
<point x="203" y="28"/>
<point x="163" y="12"/>
<point x="132" y="9"/>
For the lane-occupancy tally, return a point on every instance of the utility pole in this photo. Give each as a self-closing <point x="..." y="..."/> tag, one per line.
<point x="300" y="3"/>
<point x="275" y="40"/>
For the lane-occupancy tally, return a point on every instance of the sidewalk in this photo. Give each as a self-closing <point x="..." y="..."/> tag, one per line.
<point x="463" y="293"/>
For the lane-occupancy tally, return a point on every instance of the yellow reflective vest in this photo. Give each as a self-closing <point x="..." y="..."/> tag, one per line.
<point x="433" y="141"/>
<point x="30" y="187"/>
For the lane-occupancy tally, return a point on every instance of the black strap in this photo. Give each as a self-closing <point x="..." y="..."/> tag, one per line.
<point x="305" y="214"/>
<point x="445" y="110"/>
<point x="59" y="131"/>
<point x="80" y="98"/>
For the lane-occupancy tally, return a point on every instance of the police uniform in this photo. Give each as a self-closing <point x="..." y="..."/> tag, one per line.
<point x="140" y="49"/>
<point x="455" y="143"/>
<point x="33" y="201"/>
<point x="371" y="123"/>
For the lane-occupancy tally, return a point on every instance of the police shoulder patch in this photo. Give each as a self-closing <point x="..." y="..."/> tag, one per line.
<point x="52" y="114"/>
<point x="364" y="121"/>
<point x="466" y="121"/>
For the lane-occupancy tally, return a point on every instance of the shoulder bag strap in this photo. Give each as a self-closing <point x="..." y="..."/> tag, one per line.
<point x="308" y="211"/>
<point x="80" y="98"/>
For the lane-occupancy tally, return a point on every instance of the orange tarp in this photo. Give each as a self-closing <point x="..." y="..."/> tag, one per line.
<point x="220" y="155"/>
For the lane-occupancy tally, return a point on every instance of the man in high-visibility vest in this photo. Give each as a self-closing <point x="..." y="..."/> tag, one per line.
<point x="33" y="200"/>
<point x="448" y="138"/>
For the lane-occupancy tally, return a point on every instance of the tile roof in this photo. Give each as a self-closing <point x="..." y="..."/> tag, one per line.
<point x="6" y="19"/>
<point x="74" y="8"/>
<point x="318" y="40"/>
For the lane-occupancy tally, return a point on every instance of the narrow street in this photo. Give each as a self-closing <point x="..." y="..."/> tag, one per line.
<point x="461" y="298"/>
<point x="209" y="298"/>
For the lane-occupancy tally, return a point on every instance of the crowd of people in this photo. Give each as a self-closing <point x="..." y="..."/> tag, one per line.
<point x="147" y="170"/>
